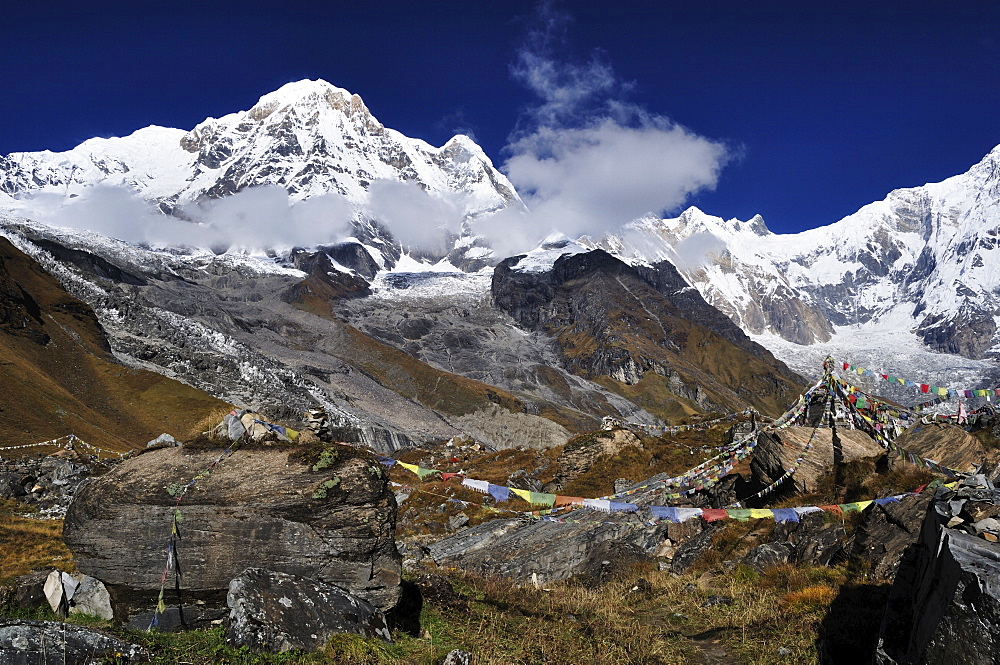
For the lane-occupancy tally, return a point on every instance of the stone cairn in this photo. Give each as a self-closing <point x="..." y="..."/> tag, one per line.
<point x="318" y="422"/>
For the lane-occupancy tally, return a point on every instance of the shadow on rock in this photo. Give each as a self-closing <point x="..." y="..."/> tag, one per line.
<point x="405" y="617"/>
<point x="849" y="630"/>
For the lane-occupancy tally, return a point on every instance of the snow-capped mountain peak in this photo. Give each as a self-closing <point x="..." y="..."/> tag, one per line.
<point x="929" y="255"/>
<point x="308" y="137"/>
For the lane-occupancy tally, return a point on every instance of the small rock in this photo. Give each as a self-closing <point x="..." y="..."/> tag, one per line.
<point x="55" y="594"/>
<point x="438" y="590"/>
<point x="457" y="657"/>
<point x="641" y="585"/>
<point x="783" y="651"/>
<point x="30" y="590"/>
<point x="92" y="598"/>
<point x="954" y="521"/>
<point x="456" y="522"/>
<point x="163" y="440"/>
<point x="714" y="600"/>
<point x="988" y="524"/>
<point x="990" y="536"/>
<point x="10" y="486"/>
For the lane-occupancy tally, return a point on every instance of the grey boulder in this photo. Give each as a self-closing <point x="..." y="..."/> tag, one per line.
<point x="278" y="612"/>
<point x="257" y="508"/>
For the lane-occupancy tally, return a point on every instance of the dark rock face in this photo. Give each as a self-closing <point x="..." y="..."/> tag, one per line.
<point x="20" y="314"/>
<point x="24" y="642"/>
<point x="325" y="279"/>
<point x="768" y="555"/>
<point x="611" y="319"/>
<point x="92" y="264"/>
<point x="886" y="532"/>
<point x="354" y="256"/>
<point x="944" y="605"/>
<point x="968" y="334"/>
<point x="694" y="546"/>
<point x="277" y="612"/>
<point x="11" y="486"/>
<point x="814" y="539"/>
<point x="259" y="507"/>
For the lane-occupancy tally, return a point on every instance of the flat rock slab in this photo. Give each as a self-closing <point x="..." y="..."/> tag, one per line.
<point x="257" y="508"/>
<point x="777" y="451"/>
<point x="24" y="642"/>
<point x="277" y="612"/>
<point x="541" y="551"/>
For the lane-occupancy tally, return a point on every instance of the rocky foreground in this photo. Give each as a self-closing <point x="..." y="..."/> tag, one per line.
<point x="289" y="545"/>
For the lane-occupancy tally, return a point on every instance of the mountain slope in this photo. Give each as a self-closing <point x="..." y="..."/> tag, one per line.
<point x="60" y="377"/>
<point x="644" y="328"/>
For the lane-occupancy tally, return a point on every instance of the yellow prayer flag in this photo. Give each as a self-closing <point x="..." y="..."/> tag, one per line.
<point x="524" y="494"/>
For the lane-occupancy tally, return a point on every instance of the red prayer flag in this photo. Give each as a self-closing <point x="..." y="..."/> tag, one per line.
<point x="714" y="514"/>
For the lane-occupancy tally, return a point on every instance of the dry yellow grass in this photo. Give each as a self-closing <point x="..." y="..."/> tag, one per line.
<point x="28" y="544"/>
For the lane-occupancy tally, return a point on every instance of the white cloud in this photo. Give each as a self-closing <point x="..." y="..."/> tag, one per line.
<point x="586" y="161"/>
<point x="415" y="219"/>
<point x="591" y="179"/>
<point x="695" y="251"/>
<point x="255" y="219"/>
<point x="263" y="217"/>
<point x="110" y="211"/>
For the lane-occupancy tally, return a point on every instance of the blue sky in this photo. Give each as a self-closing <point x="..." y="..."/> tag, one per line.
<point x="809" y="110"/>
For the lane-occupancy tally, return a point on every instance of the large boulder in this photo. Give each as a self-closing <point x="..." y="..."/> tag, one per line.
<point x="277" y="612"/>
<point x="944" y="605"/>
<point x="583" y="451"/>
<point x="815" y="540"/>
<point x="24" y="642"/>
<point x="777" y="451"/>
<point x="257" y="508"/>
<point x="947" y="444"/>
